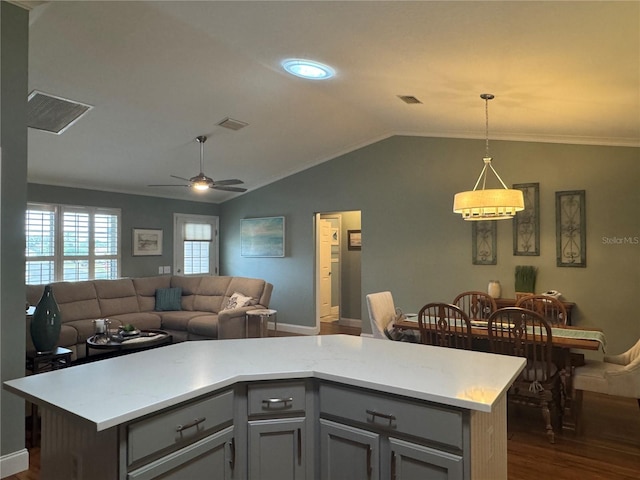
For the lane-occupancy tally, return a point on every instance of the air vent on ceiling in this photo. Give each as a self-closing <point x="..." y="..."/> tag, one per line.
<point x="232" y="124"/>
<point x="53" y="114"/>
<point x="410" y="99"/>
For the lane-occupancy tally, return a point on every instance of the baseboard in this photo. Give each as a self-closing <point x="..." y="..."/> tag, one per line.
<point x="297" y="329"/>
<point x="13" y="463"/>
<point x="350" y="322"/>
<point x="370" y="335"/>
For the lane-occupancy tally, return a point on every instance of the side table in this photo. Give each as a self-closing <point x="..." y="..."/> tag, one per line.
<point x="38" y="362"/>
<point x="264" y="315"/>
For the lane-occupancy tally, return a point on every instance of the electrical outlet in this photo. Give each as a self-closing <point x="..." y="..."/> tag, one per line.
<point x="167" y="269"/>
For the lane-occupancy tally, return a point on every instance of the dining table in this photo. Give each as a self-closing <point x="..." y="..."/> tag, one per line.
<point x="564" y="340"/>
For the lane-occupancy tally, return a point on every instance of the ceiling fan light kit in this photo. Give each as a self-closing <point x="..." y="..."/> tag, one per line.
<point x="201" y="182"/>
<point x="488" y="204"/>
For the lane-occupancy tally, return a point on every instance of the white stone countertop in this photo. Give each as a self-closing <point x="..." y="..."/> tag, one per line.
<point x="117" y="390"/>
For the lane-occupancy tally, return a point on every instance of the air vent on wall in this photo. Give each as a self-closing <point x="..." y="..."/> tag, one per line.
<point x="410" y="99"/>
<point x="232" y="124"/>
<point x="53" y="114"/>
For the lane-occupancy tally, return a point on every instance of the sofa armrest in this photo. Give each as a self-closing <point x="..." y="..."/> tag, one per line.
<point x="232" y="324"/>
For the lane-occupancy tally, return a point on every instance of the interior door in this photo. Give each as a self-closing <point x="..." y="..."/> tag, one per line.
<point x="325" y="268"/>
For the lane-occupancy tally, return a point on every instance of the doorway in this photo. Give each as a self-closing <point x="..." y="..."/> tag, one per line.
<point x="338" y="269"/>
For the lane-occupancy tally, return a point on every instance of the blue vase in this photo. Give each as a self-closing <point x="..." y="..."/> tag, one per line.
<point x="45" y="325"/>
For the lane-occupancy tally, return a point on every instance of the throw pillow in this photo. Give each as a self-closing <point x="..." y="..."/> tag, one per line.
<point x="237" y="300"/>
<point x="168" y="299"/>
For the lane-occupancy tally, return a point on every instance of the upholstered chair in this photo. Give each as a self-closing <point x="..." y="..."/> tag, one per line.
<point x="617" y="375"/>
<point x="382" y="312"/>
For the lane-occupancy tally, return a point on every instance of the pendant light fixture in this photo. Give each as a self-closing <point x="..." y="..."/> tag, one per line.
<point x="491" y="203"/>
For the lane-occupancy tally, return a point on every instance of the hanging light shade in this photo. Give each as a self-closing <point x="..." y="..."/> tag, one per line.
<point x="488" y="203"/>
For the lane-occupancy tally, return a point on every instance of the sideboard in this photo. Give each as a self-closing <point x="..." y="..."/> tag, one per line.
<point x="511" y="302"/>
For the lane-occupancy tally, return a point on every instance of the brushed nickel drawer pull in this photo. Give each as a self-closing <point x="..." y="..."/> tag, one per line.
<point x="196" y="422"/>
<point x="386" y="416"/>
<point x="272" y="402"/>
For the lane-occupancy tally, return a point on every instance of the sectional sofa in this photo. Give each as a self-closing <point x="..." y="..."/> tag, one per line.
<point x="189" y="308"/>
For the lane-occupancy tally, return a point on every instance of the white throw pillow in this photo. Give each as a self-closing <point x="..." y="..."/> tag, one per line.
<point x="237" y="300"/>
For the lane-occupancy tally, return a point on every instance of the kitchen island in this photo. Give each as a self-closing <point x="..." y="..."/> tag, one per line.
<point x="195" y="406"/>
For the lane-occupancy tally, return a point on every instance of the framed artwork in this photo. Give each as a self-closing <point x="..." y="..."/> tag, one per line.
<point x="146" y="241"/>
<point x="262" y="237"/>
<point x="335" y="236"/>
<point x="484" y="235"/>
<point x="526" y="224"/>
<point x="354" y="239"/>
<point x="571" y="229"/>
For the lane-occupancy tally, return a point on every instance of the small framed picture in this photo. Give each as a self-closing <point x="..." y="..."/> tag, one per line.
<point x="354" y="238"/>
<point x="146" y="241"/>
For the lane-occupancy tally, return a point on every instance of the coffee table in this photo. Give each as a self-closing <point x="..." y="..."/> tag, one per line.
<point x="146" y="340"/>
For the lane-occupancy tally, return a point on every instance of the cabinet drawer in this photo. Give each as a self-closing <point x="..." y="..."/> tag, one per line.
<point x="276" y="398"/>
<point x="428" y="421"/>
<point x="178" y="426"/>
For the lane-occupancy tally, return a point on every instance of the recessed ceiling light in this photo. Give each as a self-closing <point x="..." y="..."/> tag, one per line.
<point x="308" y="69"/>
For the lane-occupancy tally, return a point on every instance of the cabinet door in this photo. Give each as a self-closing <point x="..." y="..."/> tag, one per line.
<point x="213" y="457"/>
<point x="348" y="453"/>
<point x="276" y="450"/>
<point x="410" y="461"/>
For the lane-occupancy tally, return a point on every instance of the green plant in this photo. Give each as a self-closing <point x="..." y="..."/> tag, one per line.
<point x="525" y="278"/>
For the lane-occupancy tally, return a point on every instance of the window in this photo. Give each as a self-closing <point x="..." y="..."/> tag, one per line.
<point x="71" y="243"/>
<point x="196" y="247"/>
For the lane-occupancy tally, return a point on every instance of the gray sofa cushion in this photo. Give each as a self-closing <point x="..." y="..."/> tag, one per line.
<point x="204" y="325"/>
<point x="116" y="297"/>
<point x="146" y="290"/>
<point x="189" y="286"/>
<point x="180" y="320"/>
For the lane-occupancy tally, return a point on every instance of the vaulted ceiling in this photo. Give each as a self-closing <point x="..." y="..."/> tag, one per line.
<point x="160" y="73"/>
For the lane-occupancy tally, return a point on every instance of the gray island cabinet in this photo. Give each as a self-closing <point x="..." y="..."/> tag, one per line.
<point x="329" y="407"/>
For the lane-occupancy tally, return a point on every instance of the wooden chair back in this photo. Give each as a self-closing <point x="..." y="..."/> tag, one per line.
<point x="477" y="305"/>
<point x="524" y="333"/>
<point x="444" y="325"/>
<point x="551" y="309"/>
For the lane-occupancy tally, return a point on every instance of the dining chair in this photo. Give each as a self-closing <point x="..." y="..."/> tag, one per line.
<point x="382" y="312"/>
<point x="617" y="375"/>
<point x="551" y="309"/>
<point x="524" y="333"/>
<point x="477" y="305"/>
<point x="444" y="325"/>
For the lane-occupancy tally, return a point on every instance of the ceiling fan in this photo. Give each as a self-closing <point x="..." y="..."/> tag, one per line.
<point x="201" y="181"/>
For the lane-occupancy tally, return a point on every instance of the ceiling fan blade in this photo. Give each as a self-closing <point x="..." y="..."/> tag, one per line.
<point x="174" y="185"/>
<point x="179" y="178"/>
<point x="234" y="181"/>
<point x="229" y="189"/>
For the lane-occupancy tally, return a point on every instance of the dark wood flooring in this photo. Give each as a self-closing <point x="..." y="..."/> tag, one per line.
<point x="609" y="448"/>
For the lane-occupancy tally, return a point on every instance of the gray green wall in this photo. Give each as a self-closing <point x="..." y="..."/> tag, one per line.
<point x="138" y="211"/>
<point x="14" y="22"/>
<point x="416" y="247"/>
<point x="351" y="275"/>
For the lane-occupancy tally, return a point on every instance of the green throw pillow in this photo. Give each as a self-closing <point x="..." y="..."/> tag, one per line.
<point x="168" y="299"/>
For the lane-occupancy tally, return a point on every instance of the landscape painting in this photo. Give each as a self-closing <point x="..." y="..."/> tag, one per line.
<point x="262" y="237"/>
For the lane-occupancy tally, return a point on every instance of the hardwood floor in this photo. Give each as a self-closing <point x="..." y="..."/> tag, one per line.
<point x="609" y="448"/>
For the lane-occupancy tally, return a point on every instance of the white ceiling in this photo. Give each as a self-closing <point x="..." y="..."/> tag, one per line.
<point x="161" y="73"/>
